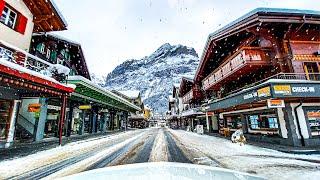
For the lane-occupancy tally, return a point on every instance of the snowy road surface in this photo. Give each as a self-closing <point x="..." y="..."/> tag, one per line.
<point x="160" y="144"/>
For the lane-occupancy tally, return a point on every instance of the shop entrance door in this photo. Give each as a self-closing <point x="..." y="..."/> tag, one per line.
<point x="5" y="109"/>
<point x="312" y="70"/>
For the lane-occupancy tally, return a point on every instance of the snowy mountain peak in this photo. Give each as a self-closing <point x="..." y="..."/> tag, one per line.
<point x="154" y="75"/>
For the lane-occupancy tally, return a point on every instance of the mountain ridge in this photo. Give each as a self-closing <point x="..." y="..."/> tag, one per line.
<point x="154" y="75"/>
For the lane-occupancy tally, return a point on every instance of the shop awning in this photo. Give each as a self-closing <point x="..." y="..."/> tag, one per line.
<point x="192" y="112"/>
<point x="85" y="89"/>
<point x="270" y="89"/>
<point x="30" y="82"/>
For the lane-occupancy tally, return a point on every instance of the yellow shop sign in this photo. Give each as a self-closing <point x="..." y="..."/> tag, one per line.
<point x="282" y="89"/>
<point x="264" y="92"/>
<point x="84" y="107"/>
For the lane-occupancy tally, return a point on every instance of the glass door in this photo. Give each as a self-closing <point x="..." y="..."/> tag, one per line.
<point x="5" y="109"/>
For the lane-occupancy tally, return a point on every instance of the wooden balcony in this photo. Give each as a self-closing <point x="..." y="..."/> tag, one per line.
<point x="246" y="60"/>
<point x="187" y="97"/>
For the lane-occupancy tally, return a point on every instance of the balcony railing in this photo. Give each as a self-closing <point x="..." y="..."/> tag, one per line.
<point x="20" y="57"/>
<point x="187" y="97"/>
<point x="246" y="56"/>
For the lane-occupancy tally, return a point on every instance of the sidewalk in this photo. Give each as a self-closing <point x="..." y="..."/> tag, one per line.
<point x="27" y="148"/>
<point x="277" y="147"/>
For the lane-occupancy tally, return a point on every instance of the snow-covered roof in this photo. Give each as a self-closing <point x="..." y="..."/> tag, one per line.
<point x="55" y="35"/>
<point x="103" y="90"/>
<point x="131" y="94"/>
<point x="176" y="85"/>
<point x="171" y="99"/>
<point x="266" y="11"/>
<point x="55" y="7"/>
<point x="188" y="77"/>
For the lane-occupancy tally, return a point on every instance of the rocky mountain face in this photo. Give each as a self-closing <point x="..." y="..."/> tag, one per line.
<point x="154" y="75"/>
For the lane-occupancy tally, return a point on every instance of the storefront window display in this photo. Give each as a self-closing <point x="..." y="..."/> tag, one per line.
<point x="313" y="118"/>
<point x="5" y="107"/>
<point x="234" y="122"/>
<point x="263" y="122"/>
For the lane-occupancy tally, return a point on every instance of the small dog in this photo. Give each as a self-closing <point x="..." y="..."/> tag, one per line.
<point x="238" y="137"/>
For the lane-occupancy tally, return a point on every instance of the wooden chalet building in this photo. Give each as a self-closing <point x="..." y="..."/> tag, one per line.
<point x="191" y="95"/>
<point x="91" y="109"/>
<point x="261" y="73"/>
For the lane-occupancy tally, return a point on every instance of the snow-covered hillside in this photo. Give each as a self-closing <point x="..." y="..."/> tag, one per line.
<point x="154" y="75"/>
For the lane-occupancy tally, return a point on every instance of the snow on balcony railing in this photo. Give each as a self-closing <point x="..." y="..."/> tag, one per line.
<point x="20" y="57"/>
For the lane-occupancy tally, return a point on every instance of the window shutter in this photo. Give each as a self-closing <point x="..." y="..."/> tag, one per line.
<point x="22" y="24"/>
<point x="2" y="3"/>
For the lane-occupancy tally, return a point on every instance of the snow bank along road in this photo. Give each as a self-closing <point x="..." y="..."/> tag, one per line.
<point x="159" y="144"/>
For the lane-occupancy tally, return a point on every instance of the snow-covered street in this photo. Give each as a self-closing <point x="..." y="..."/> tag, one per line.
<point x="155" y="145"/>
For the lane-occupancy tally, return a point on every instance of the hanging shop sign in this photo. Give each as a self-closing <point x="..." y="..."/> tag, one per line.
<point x="264" y="92"/>
<point x="275" y="103"/>
<point x="282" y="89"/>
<point x="34" y="107"/>
<point x="84" y="107"/>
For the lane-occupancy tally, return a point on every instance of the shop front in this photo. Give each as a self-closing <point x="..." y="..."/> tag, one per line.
<point x="19" y="95"/>
<point x="94" y="109"/>
<point x="276" y="111"/>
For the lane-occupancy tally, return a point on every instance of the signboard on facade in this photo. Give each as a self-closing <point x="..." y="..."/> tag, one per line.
<point x="264" y="92"/>
<point x="282" y="89"/>
<point x="250" y="95"/>
<point x="275" y="103"/>
<point x="84" y="107"/>
<point x="34" y="107"/>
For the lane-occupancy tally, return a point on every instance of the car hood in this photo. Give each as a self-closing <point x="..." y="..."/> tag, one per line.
<point x="161" y="170"/>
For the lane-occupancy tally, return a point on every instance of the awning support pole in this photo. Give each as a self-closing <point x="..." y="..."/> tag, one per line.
<point x="62" y="116"/>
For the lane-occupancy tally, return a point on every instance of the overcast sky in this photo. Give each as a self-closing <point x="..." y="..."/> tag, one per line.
<point x="112" y="31"/>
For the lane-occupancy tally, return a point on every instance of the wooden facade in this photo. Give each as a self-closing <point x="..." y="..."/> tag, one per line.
<point x="282" y="42"/>
<point x="46" y="16"/>
<point x="268" y="55"/>
<point x="58" y="50"/>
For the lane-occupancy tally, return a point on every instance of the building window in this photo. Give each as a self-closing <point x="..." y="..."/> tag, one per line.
<point x="263" y="122"/>
<point x="8" y="17"/>
<point x="41" y="47"/>
<point x="313" y="118"/>
<point x="48" y="54"/>
<point x="234" y="122"/>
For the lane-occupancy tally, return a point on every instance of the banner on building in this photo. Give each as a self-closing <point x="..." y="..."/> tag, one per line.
<point x="275" y="103"/>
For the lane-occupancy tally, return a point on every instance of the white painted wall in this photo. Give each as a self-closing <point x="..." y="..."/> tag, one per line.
<point x="282" y="123"/>
<point x="17" y="39"/>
